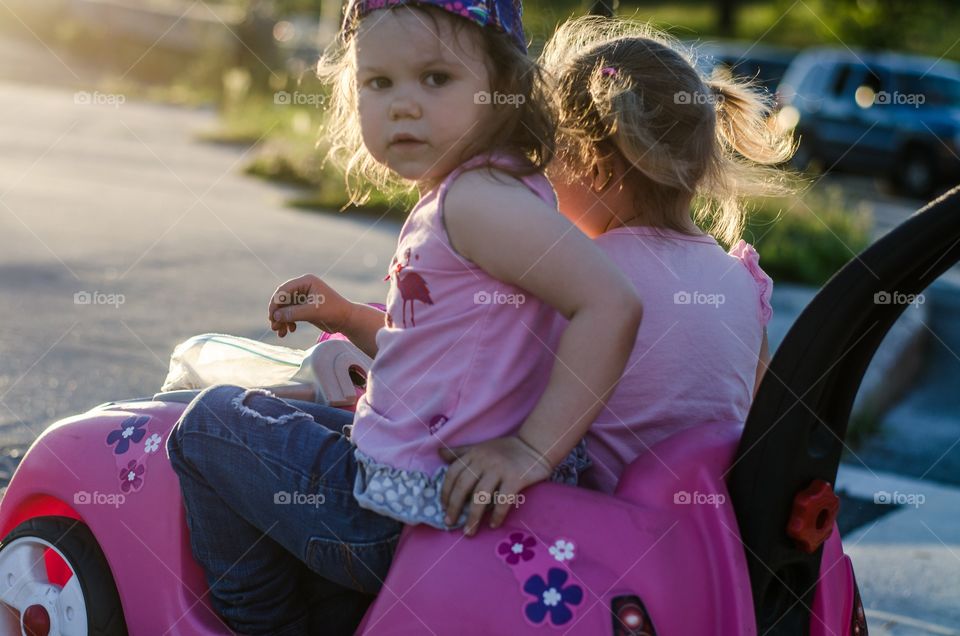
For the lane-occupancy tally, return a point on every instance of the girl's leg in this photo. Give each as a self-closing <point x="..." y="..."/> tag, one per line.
<point x="332" y="608"/>
<point x="268" y="487"/>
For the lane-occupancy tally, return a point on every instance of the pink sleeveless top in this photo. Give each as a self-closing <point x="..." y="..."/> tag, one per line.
<point x="696" y="353"/>
<point x="461" y="360"/>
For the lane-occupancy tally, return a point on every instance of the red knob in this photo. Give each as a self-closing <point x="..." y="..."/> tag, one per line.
<point x="36" y="621"/>
<point x="814" y="511"/>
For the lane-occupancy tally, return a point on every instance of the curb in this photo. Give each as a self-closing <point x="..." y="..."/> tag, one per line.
<point x="906" y="561"/>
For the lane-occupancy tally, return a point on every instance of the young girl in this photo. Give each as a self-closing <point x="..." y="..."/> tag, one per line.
<point x="466" y="370"/>
<point x="643" y="137"/>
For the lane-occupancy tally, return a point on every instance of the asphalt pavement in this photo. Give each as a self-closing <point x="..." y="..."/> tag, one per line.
<point x="120" y="236"/>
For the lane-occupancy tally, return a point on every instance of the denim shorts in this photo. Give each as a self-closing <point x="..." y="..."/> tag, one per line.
<point x="267" y="486"/>
<point x="268" y="490"/>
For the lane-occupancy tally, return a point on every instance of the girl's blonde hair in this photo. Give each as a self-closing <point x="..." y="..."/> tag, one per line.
<point x="527" y="126"/>
<point x="625" y="87"/>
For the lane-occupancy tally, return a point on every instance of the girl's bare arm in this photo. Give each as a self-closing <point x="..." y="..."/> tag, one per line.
<point x="515" y="237"/>
<point x="361" y="326"/>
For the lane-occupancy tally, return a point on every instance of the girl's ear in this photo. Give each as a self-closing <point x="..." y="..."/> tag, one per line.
<point x="601" y="174"/>
<point x="606" y="167"/>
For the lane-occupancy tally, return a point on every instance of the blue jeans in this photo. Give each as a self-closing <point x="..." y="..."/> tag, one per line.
<point x="268" y="489"/>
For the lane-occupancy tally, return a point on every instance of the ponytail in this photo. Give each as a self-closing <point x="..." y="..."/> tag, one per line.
<point x="687" y="140"/>
<point x="748" y="150"/>
<point x="743" y="121"/>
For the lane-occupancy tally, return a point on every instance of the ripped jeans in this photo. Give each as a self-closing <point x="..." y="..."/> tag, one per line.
<point x="268" y="490"/>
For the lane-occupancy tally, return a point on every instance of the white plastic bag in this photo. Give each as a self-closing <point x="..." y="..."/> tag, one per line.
<point x="331" y="372"/>
<point x="214" y="358"/>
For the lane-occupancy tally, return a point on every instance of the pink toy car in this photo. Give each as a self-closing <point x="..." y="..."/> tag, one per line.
<point x="724" y="529"/>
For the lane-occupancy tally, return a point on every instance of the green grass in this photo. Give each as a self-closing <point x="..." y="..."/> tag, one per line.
<point x="807" y="238"/>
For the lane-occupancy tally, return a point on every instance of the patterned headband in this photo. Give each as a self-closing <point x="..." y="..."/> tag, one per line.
<point x="505" y="15"/>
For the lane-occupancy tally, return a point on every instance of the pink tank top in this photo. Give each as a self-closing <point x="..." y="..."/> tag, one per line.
<point x="696" y="353"/>
<point x="458" y="362"/>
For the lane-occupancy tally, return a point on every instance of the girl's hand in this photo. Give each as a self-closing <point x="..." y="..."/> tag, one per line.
<point x="307" y="299"/>
<point x="504" y="466"/>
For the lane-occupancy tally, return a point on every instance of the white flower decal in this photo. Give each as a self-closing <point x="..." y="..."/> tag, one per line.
<point x="562" y="550"/>
<point x="152" y="443"/>
<point x="551" y="597"/>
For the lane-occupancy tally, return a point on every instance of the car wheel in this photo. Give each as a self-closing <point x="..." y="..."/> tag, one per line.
<point x="916" y="174"/>
<point x="55" y="581"/>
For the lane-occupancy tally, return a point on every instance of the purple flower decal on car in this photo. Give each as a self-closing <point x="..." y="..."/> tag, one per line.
<point x="131" y="476"/>
<point x="130" y="431"/>
<point x="517" y="547"/>
<point x="552" y="597"/>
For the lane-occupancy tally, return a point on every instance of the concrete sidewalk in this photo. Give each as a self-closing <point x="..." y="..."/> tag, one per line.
<point x="907" y="562"/>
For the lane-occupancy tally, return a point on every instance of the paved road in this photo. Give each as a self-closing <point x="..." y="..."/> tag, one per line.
<point x="122" y="201"/>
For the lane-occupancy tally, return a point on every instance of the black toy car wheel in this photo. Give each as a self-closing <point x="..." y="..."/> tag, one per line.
<point x="54" y="579"/>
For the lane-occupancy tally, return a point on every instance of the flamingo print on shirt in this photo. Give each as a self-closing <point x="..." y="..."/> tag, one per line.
<point x="412" y="288"/>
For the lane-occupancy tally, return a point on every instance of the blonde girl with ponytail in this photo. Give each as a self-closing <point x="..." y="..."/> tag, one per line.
<point x="654" y="162"/>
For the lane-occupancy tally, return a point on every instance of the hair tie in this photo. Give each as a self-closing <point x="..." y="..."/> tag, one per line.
<point x="609" y="71"/>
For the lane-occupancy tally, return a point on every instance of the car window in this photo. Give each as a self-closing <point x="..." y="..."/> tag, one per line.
<point x="930" y="90"/>
<point x="840" y="78"/>
<point x="767" y="73"/>
<point x="859" y="84"/>
<point x="869" y="79"/>
<point x="861" y="77"/>
<point x="811" y="82"/>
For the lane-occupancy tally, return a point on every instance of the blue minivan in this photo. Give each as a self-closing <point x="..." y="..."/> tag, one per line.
<point x="884" y="114"/>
